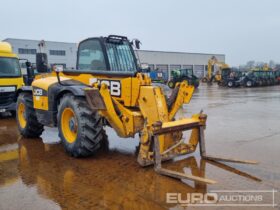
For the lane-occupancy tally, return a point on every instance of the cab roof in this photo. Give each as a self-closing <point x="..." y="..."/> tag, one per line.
<point x="6" y="50"/>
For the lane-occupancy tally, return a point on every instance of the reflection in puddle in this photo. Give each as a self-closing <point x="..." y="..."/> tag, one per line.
<point x="110" y="180"/>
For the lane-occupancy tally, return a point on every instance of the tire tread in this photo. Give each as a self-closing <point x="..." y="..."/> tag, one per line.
<point x="91" y="132"/>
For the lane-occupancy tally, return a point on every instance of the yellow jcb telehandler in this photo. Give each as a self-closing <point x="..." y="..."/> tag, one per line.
<point x="107" y="89"/>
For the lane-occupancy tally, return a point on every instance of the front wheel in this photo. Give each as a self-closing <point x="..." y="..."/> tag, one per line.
<point x="13" y="113"/>
<point x="27" y="121"/>
<point x="80" y="129"/>
<point x="204" y="79"/>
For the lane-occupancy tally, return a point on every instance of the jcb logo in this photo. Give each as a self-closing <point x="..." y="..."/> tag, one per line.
<point x="37" y="92"/>
<point x="113" y="85"/>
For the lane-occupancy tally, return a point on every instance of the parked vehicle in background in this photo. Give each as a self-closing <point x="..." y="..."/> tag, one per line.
<point x="271" y="78"/>
<point x="258" y="78"/>
<point x="230" y="77"/>
<point x="277" y="76"/>
<point x="181" y="75"/>
<point x="214" y="70"/>
<point x="267" y="78"/>
<point x="157" y="76"/>
<point x="11" y="79"/>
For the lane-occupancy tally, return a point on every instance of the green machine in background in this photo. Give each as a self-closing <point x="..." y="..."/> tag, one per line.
<point x="180" y="75"/>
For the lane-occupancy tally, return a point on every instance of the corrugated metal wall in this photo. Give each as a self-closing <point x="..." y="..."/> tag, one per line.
<point x="168" y="61"/>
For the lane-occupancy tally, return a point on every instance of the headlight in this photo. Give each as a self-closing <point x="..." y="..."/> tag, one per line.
<point x="7" y="89"/>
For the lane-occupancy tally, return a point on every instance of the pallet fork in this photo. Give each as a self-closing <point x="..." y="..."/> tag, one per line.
<point x="178" y="175"/>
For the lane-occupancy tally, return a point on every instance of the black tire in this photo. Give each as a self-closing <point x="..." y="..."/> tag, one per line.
<point x="32" y="129"/>
<point x="269" y="82"/>
<point x="13" y="113"/>
<point x="230" y="84"/>
<point x="249" y="83"/>
<point x="89" y="125"/>
<point x="171" y="84"/>
<point x="204" y="79"/>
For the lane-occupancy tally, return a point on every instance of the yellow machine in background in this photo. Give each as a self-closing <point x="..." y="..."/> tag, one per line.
<point x="107" y="89"/>
<point x="11" y="79"/>
<point x="212" y="64"/>
<point x="266" y="67"/>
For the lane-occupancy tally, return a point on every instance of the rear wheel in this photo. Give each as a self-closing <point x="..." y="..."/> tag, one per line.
<point x="171" y="84"/>
<point x="269" y="82"/>
<point x="204" y="79"/>
<point x="80" y="129"/>
<point x="249" y="83"/>
<point x="27" y="121"/>
<point x="230" y="84"/>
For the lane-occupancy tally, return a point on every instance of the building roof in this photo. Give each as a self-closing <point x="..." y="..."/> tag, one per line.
<point x="33" y="40"/>
<point x="158" y="51"/>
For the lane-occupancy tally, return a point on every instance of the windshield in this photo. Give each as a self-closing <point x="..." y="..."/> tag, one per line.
<point x="186" y="72"/>
<point x="226" y="72"/>
<point x="250" y="73"/>
<point x="175" y="73"/>
<point x="190" y="72"/>
<point x="91" y="56"/>
<point x="120" y="56"/>
<point x="9" y="67"/>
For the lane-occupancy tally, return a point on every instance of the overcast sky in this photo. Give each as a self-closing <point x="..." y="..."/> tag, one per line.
<point x="242" y="29"/>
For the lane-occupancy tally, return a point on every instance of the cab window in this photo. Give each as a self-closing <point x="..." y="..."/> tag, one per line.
<point x="91" y="56"/>
<point x="9" y="67"/>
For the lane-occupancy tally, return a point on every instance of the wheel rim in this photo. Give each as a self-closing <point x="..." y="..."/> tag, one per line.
<point x="69" y="125"/>
<point x="170" y="84"/>
<point x="21" y="115"/>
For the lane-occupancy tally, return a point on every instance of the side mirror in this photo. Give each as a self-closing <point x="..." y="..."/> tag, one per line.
<point x="137" y="44"/>
<point x="28" y="64"/>
<point x="29" y="69"/>
<point x="42" y="62"/>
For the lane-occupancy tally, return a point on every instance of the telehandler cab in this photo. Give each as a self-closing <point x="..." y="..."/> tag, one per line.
<point x="107" y="89"/>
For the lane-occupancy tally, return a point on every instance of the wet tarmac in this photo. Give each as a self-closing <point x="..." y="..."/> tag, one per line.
<point x="242" y="123"/>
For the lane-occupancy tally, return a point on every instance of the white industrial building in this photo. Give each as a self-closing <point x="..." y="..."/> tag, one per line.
<point x="65" y="54"/>
<point x="58" y="52"/>
<point x="167" y="61"/>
